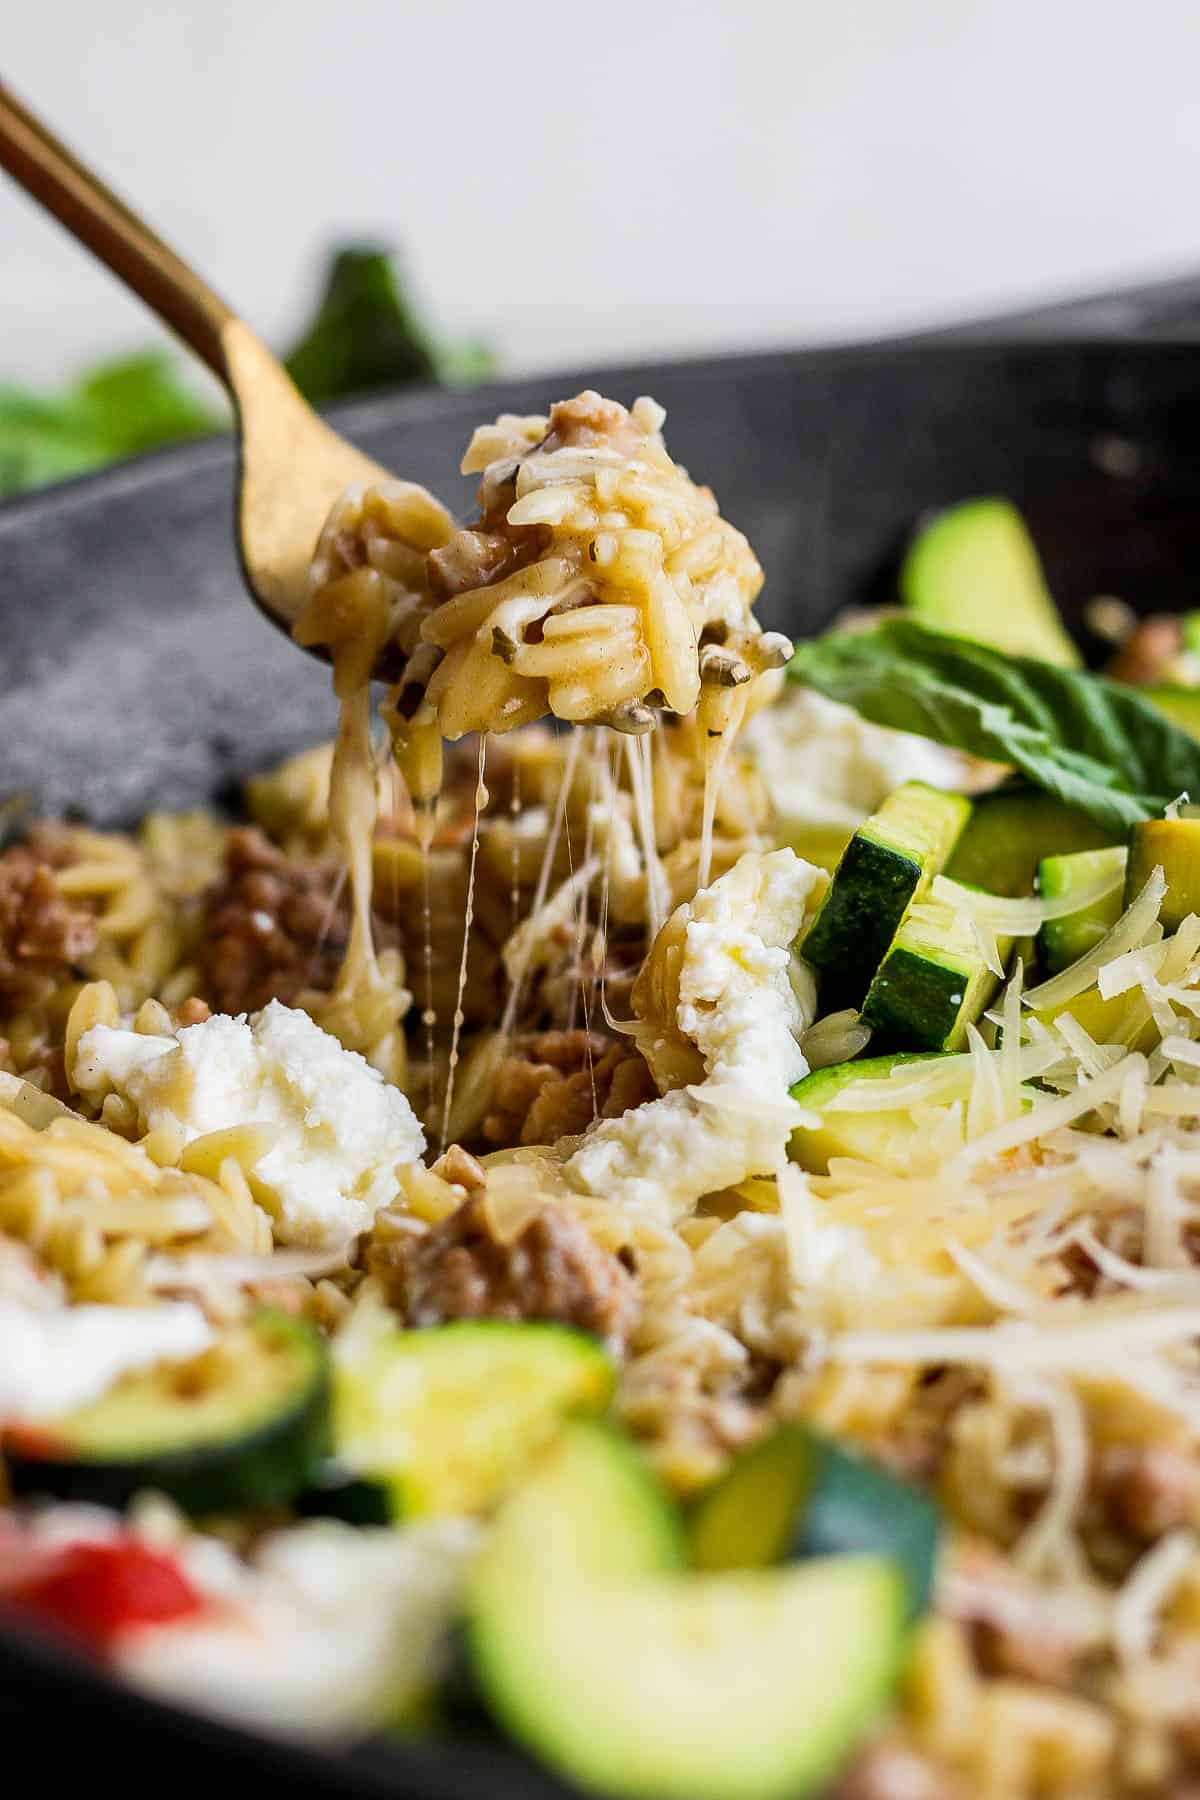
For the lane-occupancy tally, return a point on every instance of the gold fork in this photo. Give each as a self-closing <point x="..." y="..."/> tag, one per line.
<point x="291" y="465"/>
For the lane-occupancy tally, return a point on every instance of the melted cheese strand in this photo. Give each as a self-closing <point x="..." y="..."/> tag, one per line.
<point x="481" y="799"/>
<point x="517" y="976"/>
<point x="1147" y="1590"/>
<point x="1047" y="1549"/>
<point x="643" y="810"/>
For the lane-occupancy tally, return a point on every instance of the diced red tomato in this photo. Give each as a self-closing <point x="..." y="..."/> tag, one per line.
<point x="94" y="1592"/>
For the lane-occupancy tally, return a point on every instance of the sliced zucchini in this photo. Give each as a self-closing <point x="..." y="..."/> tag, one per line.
<point x="1065" y="940"/>
<point x="1174" y="846"/>
<point x="1105" y="1021"/>
<point x="823" y="846"/>
<point x="883" y="1138"/>
<point x="446" y="1418"/>
<point x="632" y="1679"/>
<point x="244" y="1425"/>
<point x="933" y="982"/>
<point x="975" y="571"/>
<point x="333" y="1494"/>
<point x="1011" y="830"/>
<point x="797" y="1495"/>
<point x="890" y="860"/>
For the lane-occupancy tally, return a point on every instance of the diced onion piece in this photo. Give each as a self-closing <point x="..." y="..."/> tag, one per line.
<point x="837" y="1038"/>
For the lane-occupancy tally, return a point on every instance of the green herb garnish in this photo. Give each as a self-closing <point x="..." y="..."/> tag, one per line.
<point x="118" y="408"/>
<point x="1095" y="744"/>
<point x="366" y="335"/>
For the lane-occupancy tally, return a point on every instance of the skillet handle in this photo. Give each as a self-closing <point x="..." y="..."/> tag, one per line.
<point x="91" y="212"/>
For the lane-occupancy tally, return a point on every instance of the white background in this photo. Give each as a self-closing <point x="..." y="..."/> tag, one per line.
<point x="588" y="178"/>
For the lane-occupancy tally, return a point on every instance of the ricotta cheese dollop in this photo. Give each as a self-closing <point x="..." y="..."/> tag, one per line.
<point x="331" y="1630"/>
<point x="739" y="1006"/>
<point x="340" y="1129"/>
<point x="52" y="1360"/>
<point x="826" y="768"/>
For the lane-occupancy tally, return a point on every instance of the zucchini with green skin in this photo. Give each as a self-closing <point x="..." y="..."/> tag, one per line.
<point x="446" y="1418"/>
<point x="890" y="860"/>
<point x="882" y="1137"/>
<point x="797" y="1495"/>
<point x="1063" y="941"/>
<point x="1011" y="830"/>
<point x="974" y="571"/>
<point x="933" y="982"/>
<point x="334" y="1494"/>
<point x="1174" y="846"/>
<point x="242" y="1426"/>
<point x="1125" y="1019"/>
<point x="633" y="1678"/>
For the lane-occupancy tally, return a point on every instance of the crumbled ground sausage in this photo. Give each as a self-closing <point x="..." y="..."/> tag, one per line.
<point x="274" y="926"/>
<point x="888" y="1770"/>
<point x="42" y="935"/>
<point x="588" y="420"/>
<point x="1150" y="646"/>
<point x="1150" y="1490"/>
<point x="554" y="1083"/>
<point x="551" y="1270"/>
<point x="1015" y="1629"/>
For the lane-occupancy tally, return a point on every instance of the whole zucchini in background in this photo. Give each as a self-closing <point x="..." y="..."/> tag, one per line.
<point x="365" y="334"/>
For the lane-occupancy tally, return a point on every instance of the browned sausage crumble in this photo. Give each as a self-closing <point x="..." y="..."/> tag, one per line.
<point x="551" y="1270"/>
<point x="42" y="935"/>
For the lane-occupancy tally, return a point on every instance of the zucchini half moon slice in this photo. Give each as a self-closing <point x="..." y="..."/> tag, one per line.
<point x="243" y="1425"/>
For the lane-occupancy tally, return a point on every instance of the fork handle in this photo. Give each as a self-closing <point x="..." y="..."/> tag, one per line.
<point x="91" y="212"/>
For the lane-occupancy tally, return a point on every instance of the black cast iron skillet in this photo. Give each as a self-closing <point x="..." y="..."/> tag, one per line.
<point x="135" y="674"/>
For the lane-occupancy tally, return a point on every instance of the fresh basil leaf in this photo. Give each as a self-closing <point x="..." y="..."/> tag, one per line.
<point x="1097" y="745"/>
<point x="141" y="403"/>
<point x="117" y="408"/>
